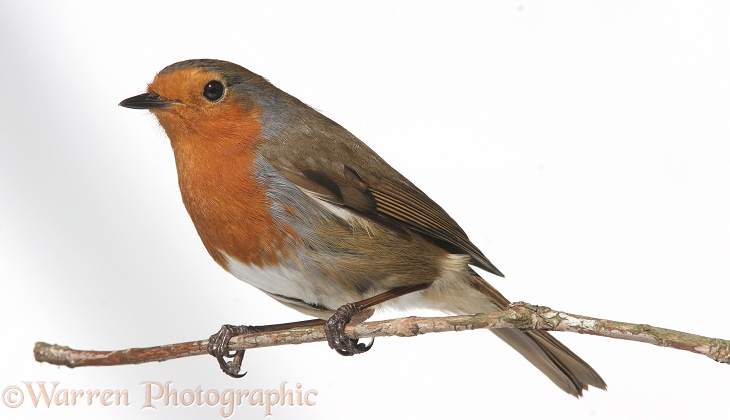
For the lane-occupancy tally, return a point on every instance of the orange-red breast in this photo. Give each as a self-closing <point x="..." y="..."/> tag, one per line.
<point x="290" y="202"/>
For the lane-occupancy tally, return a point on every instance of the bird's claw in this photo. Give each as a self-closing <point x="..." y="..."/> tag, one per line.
<point x="334" y="329"/>
<point x="218" y="348"/>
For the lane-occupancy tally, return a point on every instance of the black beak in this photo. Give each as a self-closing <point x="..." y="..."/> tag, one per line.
<point x="149" y="100"/>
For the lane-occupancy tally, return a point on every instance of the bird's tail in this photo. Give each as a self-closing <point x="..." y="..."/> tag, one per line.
<point x="465" y="292"/>
<point x="555" y="360"/>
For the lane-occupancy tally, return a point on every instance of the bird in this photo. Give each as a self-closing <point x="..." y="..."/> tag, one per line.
<point x="295" y="205"/>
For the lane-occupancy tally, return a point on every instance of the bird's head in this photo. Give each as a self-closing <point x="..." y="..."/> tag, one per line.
<point x="204" y="103"/>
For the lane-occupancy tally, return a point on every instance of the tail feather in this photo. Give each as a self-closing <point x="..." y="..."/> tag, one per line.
<point x="568" y="371"/>
<point x="553" y="358"/>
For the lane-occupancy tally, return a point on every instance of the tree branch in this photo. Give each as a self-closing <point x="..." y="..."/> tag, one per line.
<point x="520" y="315"/>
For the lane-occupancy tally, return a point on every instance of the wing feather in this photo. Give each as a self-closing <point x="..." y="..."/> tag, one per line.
<point x="394" y="202"/>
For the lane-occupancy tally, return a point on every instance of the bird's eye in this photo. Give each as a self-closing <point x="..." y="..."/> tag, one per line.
<point x="213" y="90"/>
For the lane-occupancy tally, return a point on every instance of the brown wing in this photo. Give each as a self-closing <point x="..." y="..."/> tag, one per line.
<point x="386" y="197"/>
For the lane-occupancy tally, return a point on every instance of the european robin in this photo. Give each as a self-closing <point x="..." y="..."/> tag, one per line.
<point x="290" y="202"/>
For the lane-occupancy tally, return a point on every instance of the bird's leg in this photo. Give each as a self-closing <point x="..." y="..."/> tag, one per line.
<point x="218" y="343"/>
<point x="334" y="328"/>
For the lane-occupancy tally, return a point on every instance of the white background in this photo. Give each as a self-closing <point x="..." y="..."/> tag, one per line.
<point x="582" y="145"/>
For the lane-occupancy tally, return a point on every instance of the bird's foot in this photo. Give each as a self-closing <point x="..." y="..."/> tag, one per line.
<point x="218" y="348"/>
<point x="334" y="329"/>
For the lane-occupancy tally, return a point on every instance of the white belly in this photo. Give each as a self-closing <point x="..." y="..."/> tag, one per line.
<point x="285" y="281"/>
